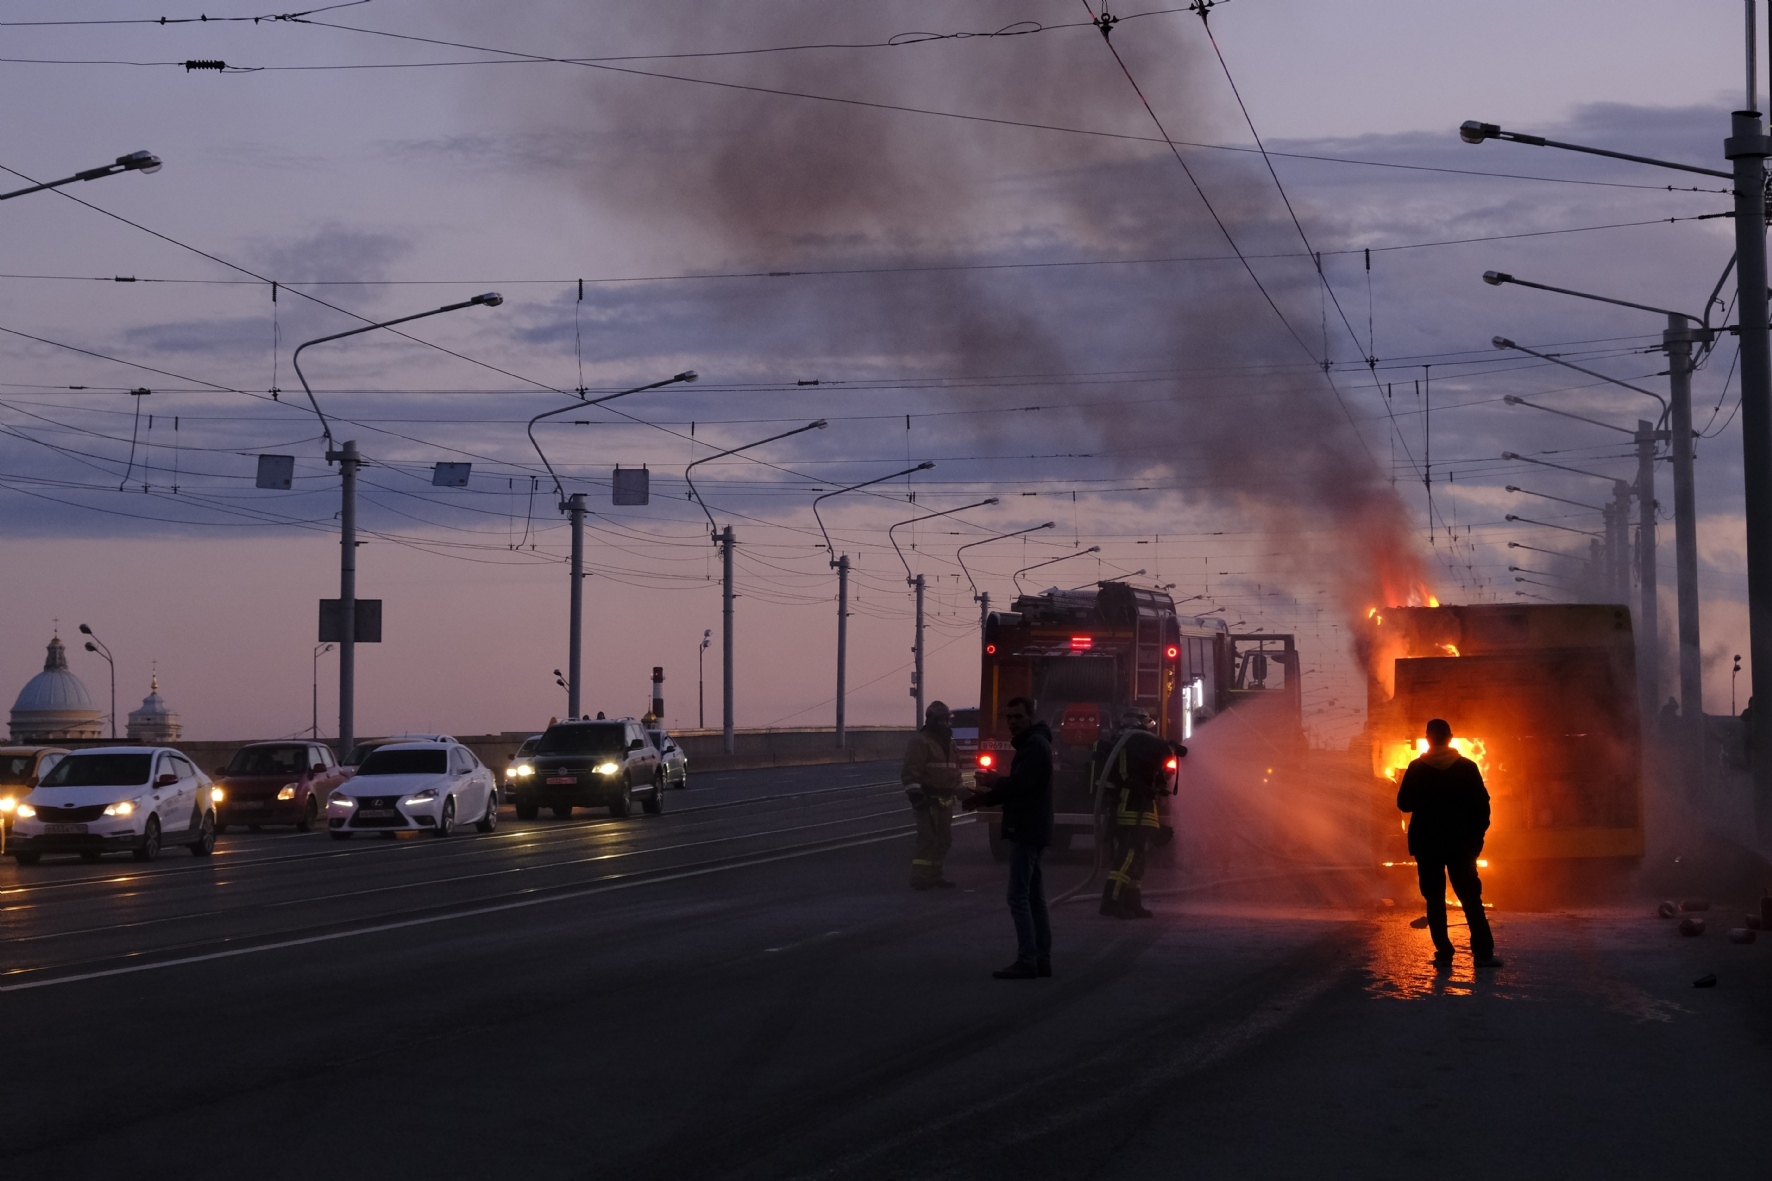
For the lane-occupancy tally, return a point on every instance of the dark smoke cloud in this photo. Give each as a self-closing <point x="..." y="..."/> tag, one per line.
<point x="723" y="179"/>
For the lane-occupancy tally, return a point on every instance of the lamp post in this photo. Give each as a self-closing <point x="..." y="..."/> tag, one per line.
<point x="319" y="651"/>
<point x="725" y="541"/>
<point x="143" y="162"/>
<point x="574" y="508"/>
<point x="1747" y="148"/>
<point x="984" y="599"/>
<point x="701" y="701"/>
<point x="1616" y="519"/>
<point x="919" y="585"/>
<point x="97" y="646"/>
<point x="841" y="564"/>
<point x="1016" y="577"/>
<point x="349" y="459"/>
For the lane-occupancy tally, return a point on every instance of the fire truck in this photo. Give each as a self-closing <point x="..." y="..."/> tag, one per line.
<point x="1543" y="698"/>
<point x="1084" y="656"/>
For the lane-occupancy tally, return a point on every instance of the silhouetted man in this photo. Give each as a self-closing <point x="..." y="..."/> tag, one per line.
<point x="1449" y="806"/>
<point x="1025" y="795"/>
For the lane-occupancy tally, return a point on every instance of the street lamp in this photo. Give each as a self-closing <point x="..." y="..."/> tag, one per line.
<point x="1747" y="148"/>
<point x="1548" y="525"/>
<point x="1560" y="500"/>
<point x="319" y="651"/>
<point x="574" y="508"/>
<point x="842" y="567"/>
<point x="144" y="162"/>
<point x="96" y="645"/>
<point x="348" y="460"/>
<point x="725" y="541"/>
<point x="1016" y="577"/>
<point x="1616" y="519"/>
<point x="701" y="704"/>
<point x="984" y="599"/>
<point x="919" y="585"/>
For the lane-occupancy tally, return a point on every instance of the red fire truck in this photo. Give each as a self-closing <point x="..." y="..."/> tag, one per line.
<point x="1086" y="655"/>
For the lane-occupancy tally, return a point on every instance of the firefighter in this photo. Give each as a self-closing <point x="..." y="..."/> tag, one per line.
<point x="931" y="776"/>
<point x="1132" y="771"/>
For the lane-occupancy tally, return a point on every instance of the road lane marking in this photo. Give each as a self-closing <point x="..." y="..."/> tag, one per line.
<point x="623" y="883"/>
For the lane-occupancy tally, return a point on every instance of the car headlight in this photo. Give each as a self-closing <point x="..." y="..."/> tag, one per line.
<point x="121" y="809"/>
<point x="427" y="796"/>
<point x="288" y="792"/>
<point x="345" y="802"/>
<point x="25" y="812"/>
<point x="7" y="803"/>
<point x="524" y="769"/>
<point x="216" y="794"/>
<point x="607" y="768"/>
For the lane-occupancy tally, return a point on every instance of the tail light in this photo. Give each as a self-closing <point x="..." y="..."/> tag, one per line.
<point x="1082" y="643"/>
<point x="987" y="761"/>
<point x="990" y="649"/>
<point x="1172" y="652"/>
<point x="1172" y="764"/>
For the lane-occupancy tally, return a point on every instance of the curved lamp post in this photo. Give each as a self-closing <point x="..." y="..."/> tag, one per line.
<point x="984" y="600"/>
<point x="143" y="162"/>
<point x="919" y="585"/>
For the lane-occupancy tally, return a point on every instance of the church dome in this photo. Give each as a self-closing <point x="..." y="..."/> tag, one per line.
<point x="54" y="704"/>
<point x="154" y="722"/>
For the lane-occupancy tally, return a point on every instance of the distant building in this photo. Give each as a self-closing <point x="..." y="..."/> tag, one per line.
<point x="154" y="724"/>
<point x="54" y="705"/>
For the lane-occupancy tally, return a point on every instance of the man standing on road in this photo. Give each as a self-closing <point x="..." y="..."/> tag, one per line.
<point x="931" y="776"/>
<point x="1132" y="771"/>
<point x="1025" y="795"/>
<point x="1449" y="809"/>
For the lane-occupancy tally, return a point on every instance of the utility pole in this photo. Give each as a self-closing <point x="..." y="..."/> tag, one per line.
<point x="984" y="608"/>
<point x="1747" y="148"/>
<point x="1678" y="340"/>
<point x="1649" y="626"/>
<point x="348" y="461"/>
<point x="726" y="544"/>
<point x="575" y="509"/>
<point x="917" y="652"/>
<point x="842" y="646"/>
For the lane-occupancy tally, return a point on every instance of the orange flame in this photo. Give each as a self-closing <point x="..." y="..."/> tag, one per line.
<point x="1398" y="755"/>
<point x="1448" y="649"/>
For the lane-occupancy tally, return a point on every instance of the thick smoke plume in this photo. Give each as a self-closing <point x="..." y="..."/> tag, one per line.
<point x="730" y="178"/>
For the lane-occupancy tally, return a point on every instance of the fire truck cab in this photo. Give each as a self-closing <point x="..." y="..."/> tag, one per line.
<point x="1084" y="656"/>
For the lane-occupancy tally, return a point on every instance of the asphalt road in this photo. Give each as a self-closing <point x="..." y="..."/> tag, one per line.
<point x="743" y="987"/>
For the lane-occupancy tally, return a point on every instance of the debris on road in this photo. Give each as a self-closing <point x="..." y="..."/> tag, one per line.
<point x="1668" y="910"/>
<point x="1708" y="980"/>
<point x="1695" y="904"/>
<point x="1691" y="925"/>
<point x="1742" y="934"/>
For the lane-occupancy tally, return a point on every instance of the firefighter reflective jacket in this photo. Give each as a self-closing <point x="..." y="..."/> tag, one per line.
<point x="930" y="762"/>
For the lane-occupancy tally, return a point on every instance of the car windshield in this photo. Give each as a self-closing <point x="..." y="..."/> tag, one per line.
<point x="583" y="740"/>
<point x="269" y="760"/>
<point x="100" y="771"/>
<point x="360" y="752"/>
<point x="528" y="747"/>
<point x="657" y="737"/>
<point x="393" y="761"/>
<point x="16" y="768"/>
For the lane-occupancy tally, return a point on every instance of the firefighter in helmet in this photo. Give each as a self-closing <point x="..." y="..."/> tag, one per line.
<point x="1131" y="768"/>
<point x="931" y="776"/>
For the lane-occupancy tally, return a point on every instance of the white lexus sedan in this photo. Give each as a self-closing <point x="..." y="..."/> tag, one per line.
<point x="429" y="786"/>
<point x="109" y="798"/>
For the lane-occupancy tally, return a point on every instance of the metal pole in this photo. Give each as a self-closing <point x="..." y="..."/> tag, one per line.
<point x="1678" y="339"/>
<point x="348" y="460"/>
<point x="575" y="507"/>
<point x="917" y="651"/>
<point x="842" y="645"/>
<point x="1748" y="148"/>
<point x="984" y="608"/>
<point x="1649" y="629"/>
<point x="726" y="543"/>
<point x="113" y="665"/>
<point x="701" y="684"/>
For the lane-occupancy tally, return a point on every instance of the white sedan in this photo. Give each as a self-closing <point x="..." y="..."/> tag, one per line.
<point x="120" y="797"/>
<point x="429" y="786"/>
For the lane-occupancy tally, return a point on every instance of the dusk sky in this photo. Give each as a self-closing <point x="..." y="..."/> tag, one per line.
<point x="1050" y="313"/>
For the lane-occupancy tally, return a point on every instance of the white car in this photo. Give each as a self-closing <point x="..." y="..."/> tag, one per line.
<point x="109" y="798"/>
<point x="429" y="786"/>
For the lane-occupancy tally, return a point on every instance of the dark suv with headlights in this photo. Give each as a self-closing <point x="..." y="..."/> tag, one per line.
<point x="590" y="764"/>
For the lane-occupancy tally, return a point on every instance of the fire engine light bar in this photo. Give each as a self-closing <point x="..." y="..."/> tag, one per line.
<point x="1082" y="643"/>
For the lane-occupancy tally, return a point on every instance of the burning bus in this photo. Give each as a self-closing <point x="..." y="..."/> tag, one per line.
<point x="1085" y="656"/>
<point x="1542" y="698"/>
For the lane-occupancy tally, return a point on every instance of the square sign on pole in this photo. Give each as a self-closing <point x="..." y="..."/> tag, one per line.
<point x="332" y="630"/>
<point x="451" y="475"/>
<point x="632" y="485"/>
<point x="276" y="471"/>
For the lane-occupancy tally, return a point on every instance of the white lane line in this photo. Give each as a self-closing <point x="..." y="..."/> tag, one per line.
<point x="426" y="883"/>
<point x="498" y="908"/>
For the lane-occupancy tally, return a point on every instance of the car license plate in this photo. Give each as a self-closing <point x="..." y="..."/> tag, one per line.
<point x="63" y="829"/>
<point x="378" y="813"/>
<point x="248" y="803"/>
<point x="563" y="779"/>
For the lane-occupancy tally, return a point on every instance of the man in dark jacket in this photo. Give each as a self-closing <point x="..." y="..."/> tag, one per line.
<point x="1025" y="795"/>
<point x="1449" y="813"/>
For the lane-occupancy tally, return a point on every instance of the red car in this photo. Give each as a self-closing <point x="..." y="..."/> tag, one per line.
<point x="276" y="783"/>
